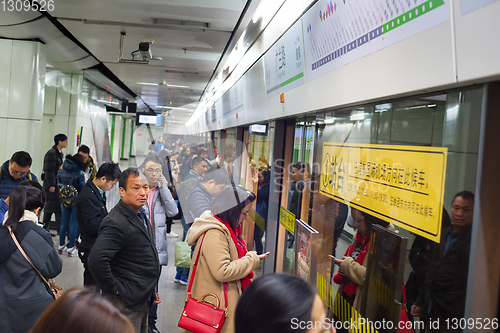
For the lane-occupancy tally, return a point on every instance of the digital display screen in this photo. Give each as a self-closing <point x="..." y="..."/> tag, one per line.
<point x="257" y="129"/>
<point x="148" y="118"/>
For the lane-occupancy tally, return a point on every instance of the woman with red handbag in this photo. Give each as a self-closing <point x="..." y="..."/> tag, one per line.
<point x="222" y="266"/>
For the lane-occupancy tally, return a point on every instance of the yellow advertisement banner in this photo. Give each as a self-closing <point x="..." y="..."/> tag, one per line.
<point x="287" y="219"/>
<point x="403" y="185"/>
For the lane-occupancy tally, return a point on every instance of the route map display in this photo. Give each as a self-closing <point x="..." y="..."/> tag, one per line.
<point x="342" y="31"/>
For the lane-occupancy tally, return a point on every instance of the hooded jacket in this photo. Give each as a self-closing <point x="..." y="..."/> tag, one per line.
<point x="163" y="206"/>
<point x="218" y="263"/>
<point x="24" y="295"/>
<point x="7" y="182"/>
<point x="72" y="166"/>
<point x="198" y="201"/>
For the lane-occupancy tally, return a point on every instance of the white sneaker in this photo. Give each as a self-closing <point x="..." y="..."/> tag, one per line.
<point x="73" y="252"/>
<point x="172" y="235"/>
<point x="62" y="249"/>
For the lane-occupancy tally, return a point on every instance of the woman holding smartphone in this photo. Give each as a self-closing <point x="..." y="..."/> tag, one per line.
<point x="224" y="257"/>
<point x="352" y="266"/>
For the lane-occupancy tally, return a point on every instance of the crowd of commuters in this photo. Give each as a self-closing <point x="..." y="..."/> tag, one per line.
<point x="123" y="251"/>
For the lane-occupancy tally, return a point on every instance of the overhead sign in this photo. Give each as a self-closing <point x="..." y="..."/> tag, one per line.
<point x="287" y="219"/>
<point x="284" y="63"/>
<point x="403" y="185"/>
<point x="339" y="32"/>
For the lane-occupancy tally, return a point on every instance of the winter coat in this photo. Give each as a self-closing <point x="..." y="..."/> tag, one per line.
<point x="446" y="281"/>
<point x="72" y="167"/>
<point x="356" y="274"/>
<point x="198" y="201"/>
<point x="51" y="164"/>
<point x="163" y="206"/>
<point x="124" y="258"/>
<point x="262" y="204"/>
<point x="90" y="211"/>
<point x="24" y="295"/>
<point x="7" y="182"/>
<point x="186" y="185"/>
<point x="218" y="263"/>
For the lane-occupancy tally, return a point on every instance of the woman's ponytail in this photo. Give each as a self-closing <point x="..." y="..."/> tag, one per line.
<point x="17" y="204"/>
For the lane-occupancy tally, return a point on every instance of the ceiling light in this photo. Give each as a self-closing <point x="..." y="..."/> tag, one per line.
<point x="176" y="86"/>
<point x="107" y="102"/>
<point x="147" y="83"/>
<point x="175" y="108"/>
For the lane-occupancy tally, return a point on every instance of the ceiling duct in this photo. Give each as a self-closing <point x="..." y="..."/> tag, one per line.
<point x="181" y="24"/>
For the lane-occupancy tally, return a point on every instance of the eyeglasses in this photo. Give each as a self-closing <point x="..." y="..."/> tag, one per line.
<point x="244" y="214"/>
<point x="153" y="170"/>
<point x="19" y="173"/>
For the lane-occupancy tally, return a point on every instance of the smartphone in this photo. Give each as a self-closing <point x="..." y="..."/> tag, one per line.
<point x="332" y="257"/>
<point x="266" y="253"/>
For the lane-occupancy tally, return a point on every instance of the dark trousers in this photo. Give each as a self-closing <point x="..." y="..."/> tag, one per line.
<point x="137" y="318"/>
<point x="47" y="215"/>
<point x="88" y="279"/>
<point x="257" y="237"/>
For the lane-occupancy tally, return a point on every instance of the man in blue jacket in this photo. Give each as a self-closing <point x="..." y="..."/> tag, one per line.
<point x="15" y="171"/>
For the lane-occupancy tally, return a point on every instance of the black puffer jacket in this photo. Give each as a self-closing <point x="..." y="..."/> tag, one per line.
<point x="51" y="164"/>
<point x="73" y="167"/>
<point x="24" y="295"/>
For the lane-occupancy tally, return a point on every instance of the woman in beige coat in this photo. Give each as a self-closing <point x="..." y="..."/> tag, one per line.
<point x="352" y="266"/>
<point x="223" y="253"/>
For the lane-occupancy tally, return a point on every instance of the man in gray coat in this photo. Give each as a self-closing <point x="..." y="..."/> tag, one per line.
<point x="200" y="198"/>
<point x="159" y="206"/>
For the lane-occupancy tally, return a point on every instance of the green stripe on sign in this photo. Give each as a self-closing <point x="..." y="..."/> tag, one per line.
<point x="295" y="78"/>
<point x="124" y="127"/>
<point x="418" y="11"/>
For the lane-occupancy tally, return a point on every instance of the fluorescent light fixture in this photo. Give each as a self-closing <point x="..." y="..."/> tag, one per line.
<point x="381" y="110"/>
<point x="330" y="121"/>
<point x="174" y="121"/>
<point x="176" y="86"/>
<point x="49" y="65"/>
<point x="107" y="102"/>
<point x="431" y="105"/>
<point x="358" y="116"/>
<point x="176" y="108"/>
<point x="147" y="83"/>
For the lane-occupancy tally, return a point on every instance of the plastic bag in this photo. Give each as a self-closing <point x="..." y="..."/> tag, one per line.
<point x="182" y="255"/>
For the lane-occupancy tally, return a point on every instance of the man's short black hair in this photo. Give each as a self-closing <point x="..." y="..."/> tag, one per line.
<point x="197" y="160"/>
<point x="125" y="175"/>
<point x="21" y="158"/>
<point x="60" y="137"/>
<point x="84" y="149"/>
<point x="219" y="175"/>
<point x="109" y="170"/>
<point x="152" y="158"/>
<point x="299" y="165"/>
<point x="467" y="195"/>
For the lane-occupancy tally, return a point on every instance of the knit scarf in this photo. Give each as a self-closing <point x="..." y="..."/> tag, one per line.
<point x="357" y="250"/>
<point x="241" y="247"/>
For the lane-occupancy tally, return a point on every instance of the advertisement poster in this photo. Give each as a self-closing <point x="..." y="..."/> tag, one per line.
<point x="306" y="243"/>
<point x="403" y="185"/>
<point x="339" y="32"/>
<point x="284" y="63"/>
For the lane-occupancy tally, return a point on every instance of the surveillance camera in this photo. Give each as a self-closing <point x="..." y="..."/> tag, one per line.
<point x="145" y="51"/>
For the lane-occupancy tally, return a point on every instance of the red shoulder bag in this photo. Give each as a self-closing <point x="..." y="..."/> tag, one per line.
<point x="202" y="316"/>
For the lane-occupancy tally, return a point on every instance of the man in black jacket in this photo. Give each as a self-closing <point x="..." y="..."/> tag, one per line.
<point x="91" y="210"/>
<point x="51" y="164"/>
<point x="443" y="294"/>
<point x="123" y="260"/>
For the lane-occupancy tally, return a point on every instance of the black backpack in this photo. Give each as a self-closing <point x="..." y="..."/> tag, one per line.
<point x="68" y="193"/>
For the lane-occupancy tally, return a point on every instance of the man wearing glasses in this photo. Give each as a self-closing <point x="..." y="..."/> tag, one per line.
<point x="14" y="172"/>
<point x="159" y="206"/>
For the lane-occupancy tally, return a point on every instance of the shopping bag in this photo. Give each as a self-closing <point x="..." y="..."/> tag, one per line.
<point x="182" y="255"/>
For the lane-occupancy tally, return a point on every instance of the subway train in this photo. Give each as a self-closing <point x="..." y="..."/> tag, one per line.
<point x="343" y="111"/>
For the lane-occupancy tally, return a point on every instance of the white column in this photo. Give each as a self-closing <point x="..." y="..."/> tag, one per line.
<point x="22" y="84"/>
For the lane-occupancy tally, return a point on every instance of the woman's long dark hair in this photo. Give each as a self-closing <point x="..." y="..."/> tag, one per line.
<point x="20" y="199"/>
<point x="269" y="304"/>
<point x="228" y="207"/>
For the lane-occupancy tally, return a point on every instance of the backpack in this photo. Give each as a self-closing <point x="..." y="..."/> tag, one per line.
<point x="68" y="193"/>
